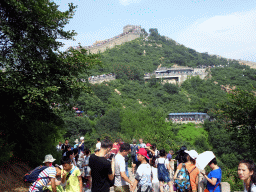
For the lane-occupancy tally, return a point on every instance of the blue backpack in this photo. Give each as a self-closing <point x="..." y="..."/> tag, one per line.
<point x="184" y="184"/>
<point x="32" y="176"/>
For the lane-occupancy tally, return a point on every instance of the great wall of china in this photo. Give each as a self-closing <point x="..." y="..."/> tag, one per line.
<point x="171" y="75"/>
<point x="130" y="32"/>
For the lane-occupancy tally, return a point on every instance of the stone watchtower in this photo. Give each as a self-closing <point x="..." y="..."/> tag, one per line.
<point x="135" y="28"/>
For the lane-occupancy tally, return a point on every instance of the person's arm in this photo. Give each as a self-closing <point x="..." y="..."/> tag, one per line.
<point x="135" y="183"/>
<point x="212" y="181"/>
<point x="63" y="177"/>
<point x="111" y="176"/>
<point x="176" y="173"/>
<point x="80" y="183"/>
<point x="124" y="177"/>
<point x="168" y="166"/>
<point x="53" y="184"/>
<point x="153" y="152"/>
<point x="80" y="144"/>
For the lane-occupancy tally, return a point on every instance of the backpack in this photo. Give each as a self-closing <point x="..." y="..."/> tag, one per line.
<point x="184" y="184"/>
<point x="134" y="150"/>
<point x="32" y="176"/>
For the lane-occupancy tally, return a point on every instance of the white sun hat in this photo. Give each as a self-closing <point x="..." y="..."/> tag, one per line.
<point x="192" y="153"/>
<point x="48" y="158"/>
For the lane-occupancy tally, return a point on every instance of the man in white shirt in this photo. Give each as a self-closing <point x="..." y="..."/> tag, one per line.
<point x="121" y="183"/>
<point x="98" y="145"/>
<point x="141" y="145"/>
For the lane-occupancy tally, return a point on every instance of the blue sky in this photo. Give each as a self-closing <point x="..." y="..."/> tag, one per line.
<point x="222" y="27"/>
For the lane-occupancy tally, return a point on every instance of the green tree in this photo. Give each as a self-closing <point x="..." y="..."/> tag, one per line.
<point x="239" y="114"/>
<point x="35" y="73"/>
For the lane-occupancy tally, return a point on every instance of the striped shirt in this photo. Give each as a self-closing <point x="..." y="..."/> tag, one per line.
<point x="49" y="172"/>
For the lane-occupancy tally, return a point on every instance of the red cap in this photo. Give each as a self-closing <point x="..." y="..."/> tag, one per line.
<point x="148" y="144"/>
<point x="143" y="152"/>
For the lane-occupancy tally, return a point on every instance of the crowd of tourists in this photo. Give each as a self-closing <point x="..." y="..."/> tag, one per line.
<point x="152" y="169"/>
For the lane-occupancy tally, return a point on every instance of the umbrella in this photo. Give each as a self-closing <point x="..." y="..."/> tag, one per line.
<point x="203" y="159"/>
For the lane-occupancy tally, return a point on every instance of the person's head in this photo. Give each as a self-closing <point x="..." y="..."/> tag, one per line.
<point x="142" y="155"/>
<point x="154" y="146"/>
<point x="246" y="170"/>
<point x="58" y="170"/>
<point x="48" y="160"/>
<point x="76" y="141"/>
<point x="66" y="141"/>
<point x="212" y="163"/>
<point x="153" y="161"/>
<point x="141" y="140"/>
<point x="70" y="154"/>
<point x="192" y="156"/>
<point x="120" y="141"/>
<point x="60" y="143"/>
<point x="134" y="141"/>
<point x="68" y="147"/>
<point x="125" y="148"/>
<point x="181" y="155"/>
<point x="171" y="152"/>
<point x="98" y="140"/>
<point x="162" y="153"/>
<point x="106" y="144"/>
<point x="81" y="139"/>
<point x="87" y="152"/>
<point x="66" y="163"/>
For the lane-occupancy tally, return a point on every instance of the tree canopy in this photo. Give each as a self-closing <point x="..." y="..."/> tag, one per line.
<point x="35" y="74"/>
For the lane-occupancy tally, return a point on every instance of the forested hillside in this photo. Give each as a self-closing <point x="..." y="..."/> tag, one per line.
<point x="127" y="107"/>
<point x="131" y="108"/>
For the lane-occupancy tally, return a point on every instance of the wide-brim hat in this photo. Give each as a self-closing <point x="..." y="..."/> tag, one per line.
<point x="143" y="152"/>
<point x="48" y="158"/>
<point x="192" y="153"/>
<point x="76" y="141"/>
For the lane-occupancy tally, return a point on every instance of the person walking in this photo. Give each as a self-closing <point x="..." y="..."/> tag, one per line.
<point x="247" y="173"/>
<point x="102" y="170"/>
<point x="143" y="174"/>
<point x="155" y="181"/>
<point x="163" y="166"/>
<point x="58" y="147"/>
<point x="81" y="145"/>
<point x="76" y="144"/>
<point x="134" y="150"/>
<point x="65" y="147"/>
<point x="121" y="183"/>
<point x="214" y="177"/>
<point x="190" y="165"/>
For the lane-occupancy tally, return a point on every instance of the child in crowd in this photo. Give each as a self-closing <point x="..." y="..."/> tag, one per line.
<point x="163" y="168"/>
<point x="143" y="173"/>
<point x="71" y="156"/>
<point x="155" y="181"/>
<point x="72" y="175"/>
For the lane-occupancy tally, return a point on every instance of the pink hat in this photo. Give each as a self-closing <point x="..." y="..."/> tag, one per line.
<point x="143" y="152"/>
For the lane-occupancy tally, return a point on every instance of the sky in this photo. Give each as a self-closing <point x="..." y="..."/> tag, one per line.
<point x="221" y="27"/>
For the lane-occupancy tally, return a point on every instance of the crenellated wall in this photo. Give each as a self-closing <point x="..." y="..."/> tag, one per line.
<point x="118" y="41"/>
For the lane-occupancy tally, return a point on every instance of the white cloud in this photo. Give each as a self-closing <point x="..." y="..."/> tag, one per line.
<point x="232" y="35"/>
<point x="127" y="2"/>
